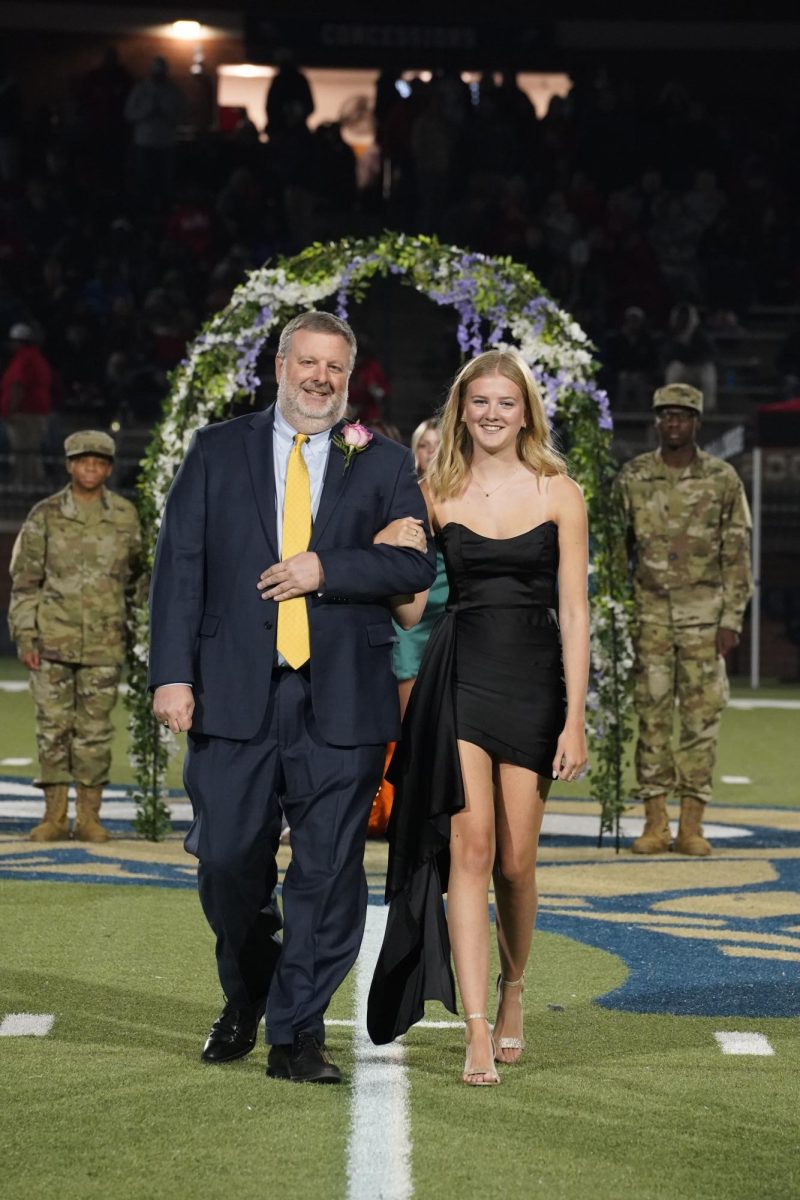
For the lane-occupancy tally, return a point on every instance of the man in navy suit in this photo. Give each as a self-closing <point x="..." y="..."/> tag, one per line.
<point x="262" y="733"/>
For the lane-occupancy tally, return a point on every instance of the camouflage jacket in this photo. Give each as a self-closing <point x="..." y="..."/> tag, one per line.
<point x="74" y="569"/>
<point x="689" y="531"/>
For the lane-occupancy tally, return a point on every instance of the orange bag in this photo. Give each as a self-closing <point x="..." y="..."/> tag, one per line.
<point x="382" y="804"/>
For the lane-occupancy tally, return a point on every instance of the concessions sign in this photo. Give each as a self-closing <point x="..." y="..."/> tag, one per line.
<point x="325" y="38"/>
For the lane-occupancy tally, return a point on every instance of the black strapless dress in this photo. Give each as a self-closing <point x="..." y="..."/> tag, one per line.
<point x="491" y="674"/>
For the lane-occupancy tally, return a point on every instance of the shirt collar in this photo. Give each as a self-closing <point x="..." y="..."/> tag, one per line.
<point x="81" y="512"/>
<point x="317" y="442"/>
<point x="696" y="467"/>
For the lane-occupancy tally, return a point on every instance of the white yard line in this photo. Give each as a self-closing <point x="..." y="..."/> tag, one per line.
<point x="377" y="1166"/>
<point x="21" y="685"/>
<point x="19" y="789"/>
<point x="26" y="1024"/>
<point x="25" y="801"/>
<point x="743" y="1043"/>
<point x="417" y="1024"/>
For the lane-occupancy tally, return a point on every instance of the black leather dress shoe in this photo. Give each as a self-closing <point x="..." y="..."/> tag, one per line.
<point x="233" y="1034"/>
<point x="305" y="1061"/>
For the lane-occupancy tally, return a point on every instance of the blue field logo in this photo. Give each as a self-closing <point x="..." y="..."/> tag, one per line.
<point x="717" y="936"/>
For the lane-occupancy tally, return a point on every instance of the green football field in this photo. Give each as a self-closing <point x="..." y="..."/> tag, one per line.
<point x="661" y="1019"/>
<point x="115" y="1103"/>
<point x="753" y="744"/>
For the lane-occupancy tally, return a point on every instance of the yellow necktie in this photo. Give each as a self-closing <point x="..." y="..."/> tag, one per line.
<point x="293" y="639"/>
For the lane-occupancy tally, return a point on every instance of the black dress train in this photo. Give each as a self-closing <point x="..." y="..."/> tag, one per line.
<point x="491" y="674"/>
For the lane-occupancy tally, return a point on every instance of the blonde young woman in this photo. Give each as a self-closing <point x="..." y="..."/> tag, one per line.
<point x="496" y="714"/>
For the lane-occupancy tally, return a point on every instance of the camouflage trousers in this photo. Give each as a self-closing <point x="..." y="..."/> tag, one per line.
<point x="677" y="666"/>
<point x="73" y="721"/>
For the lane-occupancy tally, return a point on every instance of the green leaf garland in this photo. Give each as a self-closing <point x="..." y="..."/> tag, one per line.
<point x="499" y="303"/>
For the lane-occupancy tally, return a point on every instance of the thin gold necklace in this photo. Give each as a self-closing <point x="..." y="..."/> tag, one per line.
<point x="494" y="489"/>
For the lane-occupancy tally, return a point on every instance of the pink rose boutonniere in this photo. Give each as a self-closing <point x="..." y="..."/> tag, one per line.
<point x="352" y="440"/>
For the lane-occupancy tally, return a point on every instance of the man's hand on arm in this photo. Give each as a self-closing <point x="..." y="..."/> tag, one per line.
<point x="387" y="567"/>
<point x="295" y="576"/>
<point x="173" y="705"/>
<point x="303" y="573"/>
<point x="727" y="639"/>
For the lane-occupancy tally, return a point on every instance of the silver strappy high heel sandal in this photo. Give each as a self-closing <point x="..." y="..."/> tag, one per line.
<point x="473" y="1075"/>
<point x="509" y="1043"/>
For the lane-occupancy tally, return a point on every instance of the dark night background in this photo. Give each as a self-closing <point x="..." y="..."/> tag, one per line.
<point x="664" y="183"/>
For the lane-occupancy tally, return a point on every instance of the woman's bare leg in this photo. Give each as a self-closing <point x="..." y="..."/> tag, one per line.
<point x="404" y="687"/>
<point x="519" y="809"/>
<point x="472" y="852"/>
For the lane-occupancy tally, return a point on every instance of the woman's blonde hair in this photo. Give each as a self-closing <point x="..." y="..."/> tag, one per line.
<point x="431" y="423"/>
<point x="448" y="472"/>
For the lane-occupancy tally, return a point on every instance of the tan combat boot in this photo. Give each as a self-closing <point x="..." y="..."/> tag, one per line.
<point x="55" y="826"/>
<point x="690" y="838"/>
<point x="655" y="837"/>
<point x="87" y="825"/>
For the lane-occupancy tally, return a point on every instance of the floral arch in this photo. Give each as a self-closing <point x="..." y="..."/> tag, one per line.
<point x="498" y="303"/>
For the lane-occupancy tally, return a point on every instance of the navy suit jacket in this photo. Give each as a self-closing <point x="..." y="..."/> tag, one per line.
<point x="209" y="625"/>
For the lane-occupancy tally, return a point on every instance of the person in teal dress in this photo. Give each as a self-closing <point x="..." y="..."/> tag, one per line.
<point x="410" y="644"/>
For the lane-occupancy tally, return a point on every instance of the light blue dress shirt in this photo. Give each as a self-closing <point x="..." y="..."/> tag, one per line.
<point x="315" y="454"/>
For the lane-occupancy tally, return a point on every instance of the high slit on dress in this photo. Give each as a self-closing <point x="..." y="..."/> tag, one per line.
<point x="491" y="675"/>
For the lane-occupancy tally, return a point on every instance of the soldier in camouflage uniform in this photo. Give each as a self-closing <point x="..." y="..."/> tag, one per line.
<point x="688" y="527"/>
<point x="75" y="566"/>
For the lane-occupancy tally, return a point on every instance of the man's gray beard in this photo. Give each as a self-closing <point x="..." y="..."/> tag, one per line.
<point x="306" y="420"/>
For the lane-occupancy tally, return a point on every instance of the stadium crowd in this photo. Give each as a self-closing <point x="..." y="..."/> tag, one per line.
<point x="127" y="215"/>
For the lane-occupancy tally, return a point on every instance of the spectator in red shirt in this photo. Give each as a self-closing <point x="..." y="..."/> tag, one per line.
<point x="25" y="403"/>
<point x="368" y="385"/>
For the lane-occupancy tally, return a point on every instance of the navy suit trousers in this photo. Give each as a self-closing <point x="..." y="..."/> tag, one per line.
<point x="237" y="789"/>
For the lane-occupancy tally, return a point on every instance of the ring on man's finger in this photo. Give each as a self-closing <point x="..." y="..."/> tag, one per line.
<point x="165" y="724"/>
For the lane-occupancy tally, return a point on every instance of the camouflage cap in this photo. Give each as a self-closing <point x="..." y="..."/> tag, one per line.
<point x="678" y="395"/>
<point x="89" y="441"/>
